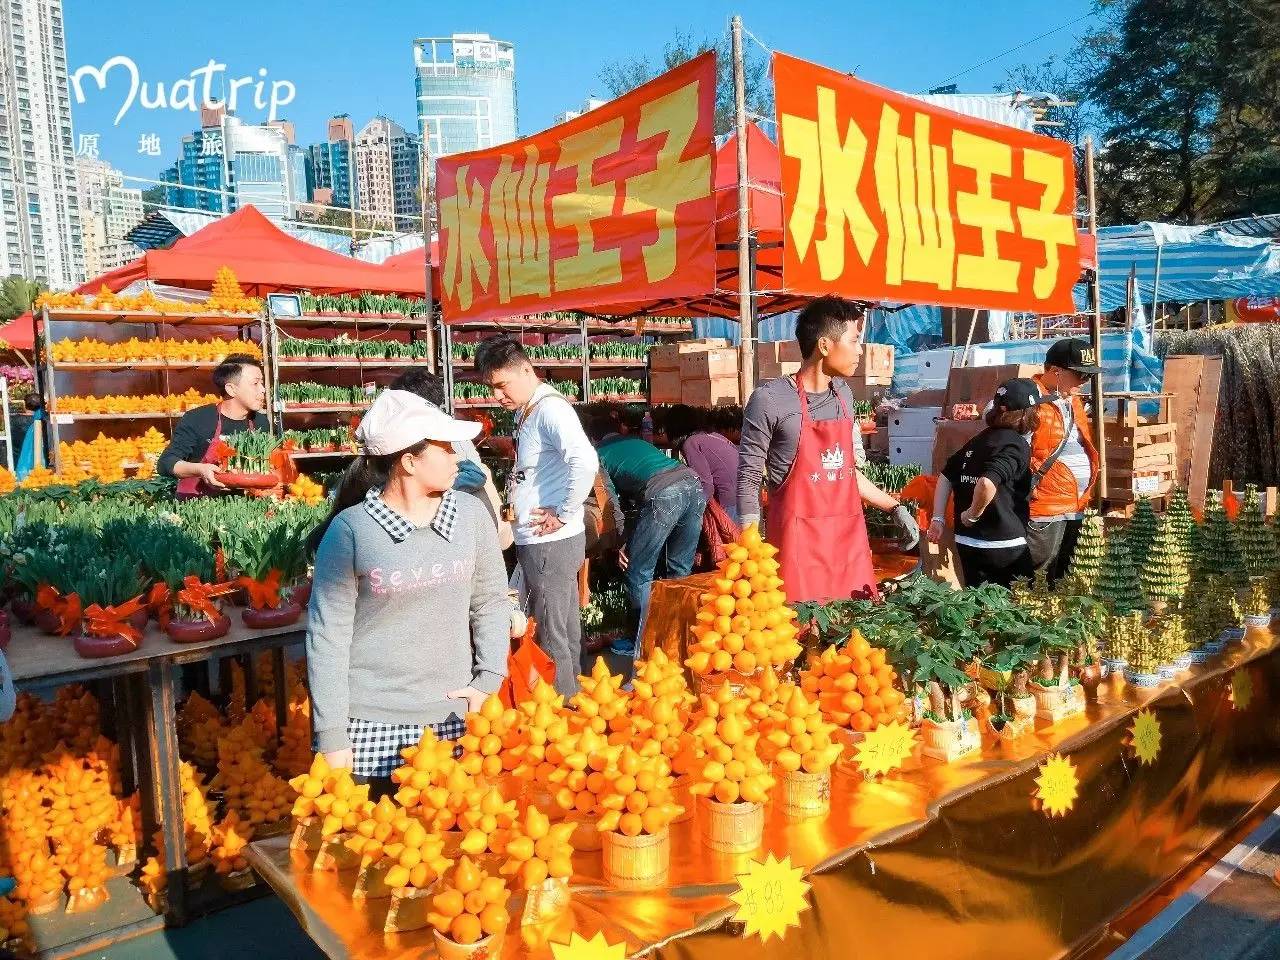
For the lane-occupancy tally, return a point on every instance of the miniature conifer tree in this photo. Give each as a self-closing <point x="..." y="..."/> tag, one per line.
<point x="1142" y="529"/>
<point x="1257" y="545"/>
<point x="1118" y="587"/>
<point x="1165" y="573"/>
<point x="1182" y="522"/>
<point x="1219" y="553"/>
<point x="1169" y="639"/>
<point x="1086" y="562"/>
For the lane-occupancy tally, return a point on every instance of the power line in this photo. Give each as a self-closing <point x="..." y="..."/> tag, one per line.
<point x="1026" y="43"/>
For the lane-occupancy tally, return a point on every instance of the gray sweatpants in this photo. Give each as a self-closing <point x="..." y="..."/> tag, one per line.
<point x="551" y="578"/>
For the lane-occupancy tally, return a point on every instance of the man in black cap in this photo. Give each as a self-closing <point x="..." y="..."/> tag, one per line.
<point x="1064" y="461"/>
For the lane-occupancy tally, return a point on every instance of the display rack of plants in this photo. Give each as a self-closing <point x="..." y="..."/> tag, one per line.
<point x="246" y="460"/>
<point x="301" y="396"/>
<point x="613" y="389"/>
<point x="366" y="306"/>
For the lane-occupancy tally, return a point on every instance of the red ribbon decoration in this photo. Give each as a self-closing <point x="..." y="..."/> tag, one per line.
<point x="66" y="608"/>
<point x="199" y="596"/>
<point x="160" y="603"/>
<point x="263" y="594"/>
<point x="114" y="621"/>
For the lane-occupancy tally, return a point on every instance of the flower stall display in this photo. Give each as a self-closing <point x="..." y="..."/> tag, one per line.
<point x="186" y="600"/>
<point x="225" y="298"/>
<point x="348" y="350"/>
<point x="306" y="394"/>
<point x="148" y="403"/>
<point x="160" y="350"/>
<point x="1260" y="559"/>
<point x="744" y="622"/>
<point x="1218" y="548"/>
<point x="801" y="745"/>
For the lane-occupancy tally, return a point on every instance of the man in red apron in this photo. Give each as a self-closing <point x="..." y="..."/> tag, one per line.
<point x="798" y="433"/>
<point x="189" y="456"/>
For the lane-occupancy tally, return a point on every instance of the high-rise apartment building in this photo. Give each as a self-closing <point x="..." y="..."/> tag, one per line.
<point x="587" y="106"/>
<point x="330" y="172"/>
<point x="387" y="174"/>
<point x="40" y="233"/>
<point x="228" y="163"/>
<point x="108" y="211"/>
<point x="466" y="92"/>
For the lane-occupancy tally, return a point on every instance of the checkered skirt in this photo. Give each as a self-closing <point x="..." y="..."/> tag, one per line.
<point x="375" y="747"/>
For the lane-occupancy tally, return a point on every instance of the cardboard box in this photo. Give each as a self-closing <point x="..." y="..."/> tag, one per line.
<point x="911" y="450"/>
<point x="934" y="365"/>
<point x="708" y="364"/>
<point x="876" y="362"/>
<point x="914" y="422"/>
<point x="666" y="356"/>
<point x="950" y="436"/>
<point x="870" y="391"/>
<point x="773" y="369"/>
<point x="714" y="392"/>
<point x="924" y="398"/>
<point x="664" y="386"/>
<point x="978" y="384"/>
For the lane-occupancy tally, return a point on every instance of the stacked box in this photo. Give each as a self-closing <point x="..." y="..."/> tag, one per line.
<point x="911" y="435"/>
<point x="777" y="358"/>
<point x="1142" y="449"/>
<point x="666" y="370"/>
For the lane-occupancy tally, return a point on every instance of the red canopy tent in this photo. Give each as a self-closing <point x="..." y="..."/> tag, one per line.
<point x="407" y="269"/>
<point x="265" y="260"/>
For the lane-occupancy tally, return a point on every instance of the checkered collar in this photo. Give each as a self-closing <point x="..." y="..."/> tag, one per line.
<point x="398" y="527"/>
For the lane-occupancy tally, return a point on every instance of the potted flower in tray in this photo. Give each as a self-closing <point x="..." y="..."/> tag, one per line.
<point x="248" y="460"/>
<point x="269" y="557"/>
<point x="110" y="596"/>
<point x="1058" y="694"/>
<point x="948" y="730"/>
<point x="186" y="600"/>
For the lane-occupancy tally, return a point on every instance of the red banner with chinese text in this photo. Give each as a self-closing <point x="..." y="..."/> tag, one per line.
<point x="614" y="206"/>
<point x="886" y="198"/>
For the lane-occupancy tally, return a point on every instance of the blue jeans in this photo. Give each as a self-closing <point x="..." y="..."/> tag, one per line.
<point x="663" y="543"/>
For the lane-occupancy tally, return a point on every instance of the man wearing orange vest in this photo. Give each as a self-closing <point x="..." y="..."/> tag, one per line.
<point x="1064" y="461"/>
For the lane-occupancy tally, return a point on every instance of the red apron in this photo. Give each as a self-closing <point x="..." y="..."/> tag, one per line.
<point x="189" y="487"/>
<point x="815" y="516"/>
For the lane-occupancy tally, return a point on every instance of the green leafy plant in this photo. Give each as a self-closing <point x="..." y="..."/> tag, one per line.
<point x="251" y="450"/>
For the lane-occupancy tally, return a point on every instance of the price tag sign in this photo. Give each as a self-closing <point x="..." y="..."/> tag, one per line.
<point x="885" y="748"/>
<point x="1146" y="484"/>
<point x="771" y="896"/>
<point x="62" y="419"/>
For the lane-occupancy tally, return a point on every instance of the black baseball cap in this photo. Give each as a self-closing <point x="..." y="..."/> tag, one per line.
<point x="1074" y="355"/>
<point x="1020" y="393"/>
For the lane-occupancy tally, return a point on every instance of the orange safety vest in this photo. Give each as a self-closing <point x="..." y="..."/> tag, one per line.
<point x="1057" y="493"/>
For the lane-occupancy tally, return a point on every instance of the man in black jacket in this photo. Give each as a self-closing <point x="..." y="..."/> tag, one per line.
<point x="238" y="380"/>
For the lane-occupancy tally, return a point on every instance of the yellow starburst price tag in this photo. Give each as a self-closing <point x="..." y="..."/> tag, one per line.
<point x="1057" y="785"/>
<point x="770" y="897"/>
<point x="597" y="948"/>
<point x="1144" y="737"/>
<point x="885" y="748"/>
<point x="1241" y="689"/>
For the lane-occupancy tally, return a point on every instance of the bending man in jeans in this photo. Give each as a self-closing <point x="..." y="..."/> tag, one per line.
<point x="670" y="504"/>
<point x="554" y="472"/>
<point x="1064" y="462"/>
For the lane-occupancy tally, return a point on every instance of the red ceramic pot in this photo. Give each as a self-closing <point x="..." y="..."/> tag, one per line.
<point x="24" y="611"/>
<point x="47" y="621"/>
<point x="6" y="633"/>
<point x="287" y="613"/>
<point x="194" y="631"/>
<point x="94" y="648"/>
<point x="299" y="593"/>
<point x="242" y="480"/>
<point x="139" y="620"/>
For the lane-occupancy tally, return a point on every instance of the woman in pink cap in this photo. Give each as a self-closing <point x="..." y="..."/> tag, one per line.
<point x="409" y="618"/>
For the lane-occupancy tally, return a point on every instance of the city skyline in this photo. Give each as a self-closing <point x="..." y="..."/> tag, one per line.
<point x="376" y="75"/>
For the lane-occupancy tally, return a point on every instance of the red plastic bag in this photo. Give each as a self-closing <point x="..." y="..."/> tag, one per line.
<point x="718" y="530"/>
<point x="526" y="665"/>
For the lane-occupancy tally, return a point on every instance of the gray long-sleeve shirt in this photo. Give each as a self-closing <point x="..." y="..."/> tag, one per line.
<point x="396" y="624"/>
<point x="771" y="434"/>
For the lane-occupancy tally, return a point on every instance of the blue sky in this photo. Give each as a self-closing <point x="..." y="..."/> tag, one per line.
<point x="356" y="58"/>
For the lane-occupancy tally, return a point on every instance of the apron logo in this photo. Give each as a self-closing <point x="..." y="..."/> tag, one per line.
<point x="833" y="462"/>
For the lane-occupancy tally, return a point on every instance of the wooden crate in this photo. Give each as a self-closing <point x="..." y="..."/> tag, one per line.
<point x="978" y="384"/>
<point x="1142" y="450"/>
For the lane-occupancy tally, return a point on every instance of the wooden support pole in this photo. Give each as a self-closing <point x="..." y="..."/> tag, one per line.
<point x="1095" y="328"/>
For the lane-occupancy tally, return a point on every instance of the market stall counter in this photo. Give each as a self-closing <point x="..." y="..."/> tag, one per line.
<point x="1026" y="850"/>
<point x="139" y="692"/>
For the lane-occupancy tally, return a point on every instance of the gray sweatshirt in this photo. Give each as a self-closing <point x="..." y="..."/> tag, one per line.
<point x="771" y="434"/>
<point x="395" y="624"/>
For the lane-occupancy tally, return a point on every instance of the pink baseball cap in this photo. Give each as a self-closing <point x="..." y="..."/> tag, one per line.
<point x="398" y="419"/>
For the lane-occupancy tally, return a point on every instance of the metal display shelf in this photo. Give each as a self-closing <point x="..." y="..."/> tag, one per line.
<point x="330" y="408"/>
<point x="159" y="323"/>
<point x="354" y="321"/>
<point x="348" y="364"/>
<point x="320" y="454"/>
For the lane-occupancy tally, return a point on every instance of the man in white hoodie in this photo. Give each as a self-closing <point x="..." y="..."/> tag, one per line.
<point x="553" y="475"/>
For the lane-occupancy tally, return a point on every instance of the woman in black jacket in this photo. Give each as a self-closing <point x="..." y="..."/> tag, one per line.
<point x="991" y="480"/>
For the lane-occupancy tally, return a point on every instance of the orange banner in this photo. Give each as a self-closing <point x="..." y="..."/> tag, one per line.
<point x="613" y="206"/>
<point x="887" y="198"/>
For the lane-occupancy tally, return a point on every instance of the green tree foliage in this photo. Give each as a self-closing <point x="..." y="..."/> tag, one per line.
<point x="1257" y="544"/>
<point x="1219" y="553"/>
<point x="1141" y="532"/>
<point x="1165" y="571"/>
<point x="17" y="294"/>
<point x="1118" y="586"/>
<point x="1183" y="97"/>
<point x="1086" y="562"/>
<point x="622" y="76"/>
